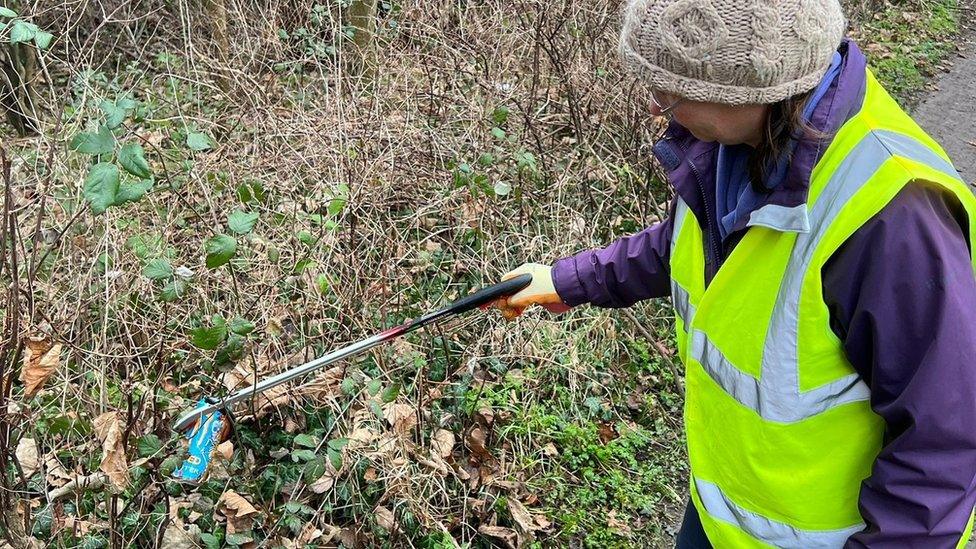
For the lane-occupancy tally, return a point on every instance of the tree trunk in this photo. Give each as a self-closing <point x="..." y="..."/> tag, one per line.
<point x="362" y="17"/>
<point x="217" y="11"/>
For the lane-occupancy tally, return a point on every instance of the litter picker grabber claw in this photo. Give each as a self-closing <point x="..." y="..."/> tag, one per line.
<point x="477" y="299"/>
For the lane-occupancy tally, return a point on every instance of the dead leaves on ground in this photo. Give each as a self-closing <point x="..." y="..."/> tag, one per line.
<point x="238" y="510"/>
<point x="26" y="453"/>
<point x="110" y="430"/>
<point x="41" y="359"/>
<point x="442" y="443"/>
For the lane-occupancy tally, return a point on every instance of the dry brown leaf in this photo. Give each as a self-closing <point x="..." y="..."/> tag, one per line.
<point x="370" y="475"/>
<point x="41" y="359"/>
<point x="324" y="483"/>
<point x="348" y="537"/>
<point x="506" y="535"/>
<point x="176" y="536"/>
<point x="525" y="522"/>
<point x="475" y="442"/>
<point x="26" y="453"/>
<point x="324" y="386"/>
<point x="385" y="518"/>
<point x="225" y="450"/>
<point x="109" y="428"/>
<point x="239" y="512"/>
<point x="56" y="474"/>
<point x="485" y="416"/>
<point x="330" y="532"/>
<point x="521" y="515"/>
<point x="442" y="443"/>
<point x="607" y="431"/>
<point x="402" y="417"/>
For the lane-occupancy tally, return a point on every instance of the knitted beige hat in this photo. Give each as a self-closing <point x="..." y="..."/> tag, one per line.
<point x="731" y="51"/>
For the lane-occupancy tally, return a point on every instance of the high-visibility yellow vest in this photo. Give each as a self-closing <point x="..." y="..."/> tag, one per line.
<point x="780" y="429"/>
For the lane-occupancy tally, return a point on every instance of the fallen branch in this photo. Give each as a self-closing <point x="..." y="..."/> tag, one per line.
<point x="90" y="482"/>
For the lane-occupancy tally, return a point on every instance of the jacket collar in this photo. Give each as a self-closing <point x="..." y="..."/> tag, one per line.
<point x="691" y="163"/>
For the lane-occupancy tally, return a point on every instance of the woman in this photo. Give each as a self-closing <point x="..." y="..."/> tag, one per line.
<point x="818" y="255"/>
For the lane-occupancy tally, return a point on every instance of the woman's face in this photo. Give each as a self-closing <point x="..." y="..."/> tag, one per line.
<point x="727" y="124"/>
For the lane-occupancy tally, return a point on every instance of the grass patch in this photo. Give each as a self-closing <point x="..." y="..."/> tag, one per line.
<point x="906" y="44"/>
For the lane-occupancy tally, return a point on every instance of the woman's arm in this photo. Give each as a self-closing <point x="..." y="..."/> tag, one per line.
<point x="903" y="300"/>
<point x="629" y="270"/>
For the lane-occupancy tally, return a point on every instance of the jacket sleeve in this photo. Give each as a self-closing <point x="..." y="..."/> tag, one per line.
<point x="629" y="270"/>
<point x="902" y="297"/>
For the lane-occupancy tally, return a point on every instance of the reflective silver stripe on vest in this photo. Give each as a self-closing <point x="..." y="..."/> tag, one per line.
<point x="682" y="303"/>
<point x="781" y="218"/>
<point x="776" y="395"/>
<point x="774" y="533"/>
<point x="680" y="296"/>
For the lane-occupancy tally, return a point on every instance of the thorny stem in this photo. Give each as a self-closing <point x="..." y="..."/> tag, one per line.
<point x="11" y="346"/>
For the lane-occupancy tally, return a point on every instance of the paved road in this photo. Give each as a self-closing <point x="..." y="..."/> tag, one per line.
<point x="949" y="113"/>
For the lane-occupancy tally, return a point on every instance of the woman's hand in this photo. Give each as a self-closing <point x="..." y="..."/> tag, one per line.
<point x="540" y="292"/>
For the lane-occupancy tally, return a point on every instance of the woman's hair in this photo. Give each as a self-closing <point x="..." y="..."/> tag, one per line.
<point x="783" y="123"/>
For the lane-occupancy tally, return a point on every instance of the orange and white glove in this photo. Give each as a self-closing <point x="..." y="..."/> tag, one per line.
<point x="540" y="292"/>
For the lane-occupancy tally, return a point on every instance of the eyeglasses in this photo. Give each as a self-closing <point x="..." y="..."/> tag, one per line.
<point x="665" y="110"/>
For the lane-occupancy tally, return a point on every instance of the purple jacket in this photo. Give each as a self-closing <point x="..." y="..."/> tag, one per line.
<point x="902" y="298"/>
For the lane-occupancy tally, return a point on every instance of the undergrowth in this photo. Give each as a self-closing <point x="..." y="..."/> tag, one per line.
<point x="204" y="208"/>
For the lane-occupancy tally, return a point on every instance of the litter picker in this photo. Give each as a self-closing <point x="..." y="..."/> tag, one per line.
<point x="477" y="299"/>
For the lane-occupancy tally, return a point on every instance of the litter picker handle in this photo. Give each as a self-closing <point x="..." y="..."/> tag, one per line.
<point x="486" y="295"/>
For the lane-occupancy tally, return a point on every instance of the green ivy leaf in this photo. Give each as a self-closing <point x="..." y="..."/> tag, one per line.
<point x="43" y="39"/>
<point x="219" y="250"/>
<point x="158" y="269"/>
<point x="308" y="441"/>
<point x="348" y="386"/>
<point x="498" y="133"/>
<point x="102" y="142"/>
<point x="7" y="12"/>
<point x="231" y="351"/>
<point x="375" y="408"/>
<point x="198" y="141"/>
<point x="133" y="159"/>
<point x="169" y="465"/>
<point x="314" y="469"/>
<point x="302" y="455"/>
<point x="22" y="31"/>
<point x="241" y="326"/>
<point x="173" y="291"/>
<point x="242" y="222"/>
<point x="390" y="393"/>
<point x="336" y="205"/>
<point x="239" y="538"/>
<point x="374" y="386"/>
<point x="338" y="444"/>
<point x="132" y="192"/>
<point x="101" y="186"/>
<point x="208" y="338"/>
<point x="502" y="188"/>
<point x="336" y="458"/>
<point x="149" y="445"/>
<point x="210" y="541"/>
<point x="115" y="112"/>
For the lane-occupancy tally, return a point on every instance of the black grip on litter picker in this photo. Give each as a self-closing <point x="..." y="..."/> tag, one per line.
<point x="486" y="295"/>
